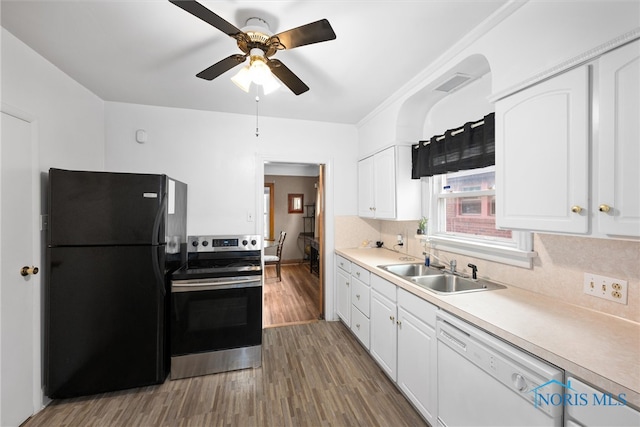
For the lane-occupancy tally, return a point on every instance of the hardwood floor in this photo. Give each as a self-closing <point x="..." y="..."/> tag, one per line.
<point x="293" y="300"/>
<point x="313" y="374"/>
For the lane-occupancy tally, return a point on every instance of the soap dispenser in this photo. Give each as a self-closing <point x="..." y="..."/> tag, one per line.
<point x="427" y="253"/>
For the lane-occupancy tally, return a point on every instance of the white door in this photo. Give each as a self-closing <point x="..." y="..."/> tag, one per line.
<point x="16" y="291"/>
<point x="618" y="148"/>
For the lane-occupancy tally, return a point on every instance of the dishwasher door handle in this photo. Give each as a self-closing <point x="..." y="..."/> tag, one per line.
<point x="453" y="340"/>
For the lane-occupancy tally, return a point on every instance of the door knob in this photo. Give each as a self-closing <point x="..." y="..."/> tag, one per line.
<point x="604" y="208"/>
<point x="26" y="270"/>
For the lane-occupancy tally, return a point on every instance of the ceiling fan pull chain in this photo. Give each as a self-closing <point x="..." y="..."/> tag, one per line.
<point x="257" y="101"/>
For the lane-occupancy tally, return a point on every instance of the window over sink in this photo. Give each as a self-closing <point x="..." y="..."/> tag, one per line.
<point x="461" y="208"/>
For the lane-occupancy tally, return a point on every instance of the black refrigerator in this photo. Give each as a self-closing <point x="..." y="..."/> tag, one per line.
<point x="113" y="241"/>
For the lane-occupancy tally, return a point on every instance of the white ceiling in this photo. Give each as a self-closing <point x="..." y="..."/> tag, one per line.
<point x="149" y="51"/>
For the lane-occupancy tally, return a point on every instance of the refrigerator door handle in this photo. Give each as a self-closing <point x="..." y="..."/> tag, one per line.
<point x="158" y="270"/>
<point x="155" y="238"/>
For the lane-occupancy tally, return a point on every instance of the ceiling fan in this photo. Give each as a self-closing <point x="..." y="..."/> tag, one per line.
<point x="258" y="44"/>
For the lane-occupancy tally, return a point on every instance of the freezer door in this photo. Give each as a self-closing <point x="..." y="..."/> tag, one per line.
<point x="102" y="208"/>
<point x="104" y="319"/>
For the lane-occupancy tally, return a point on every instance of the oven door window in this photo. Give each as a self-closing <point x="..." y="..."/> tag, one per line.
<point x="211" y="320"/>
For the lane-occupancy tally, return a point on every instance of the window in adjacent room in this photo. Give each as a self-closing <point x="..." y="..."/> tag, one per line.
<point x="268" y="210"/>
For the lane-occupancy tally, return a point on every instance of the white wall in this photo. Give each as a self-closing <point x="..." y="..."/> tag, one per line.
<point x="220" y="158"/>
<point x="69" y="117"/>
<point x="537" y="36"/>
<point x="68" y="122"/>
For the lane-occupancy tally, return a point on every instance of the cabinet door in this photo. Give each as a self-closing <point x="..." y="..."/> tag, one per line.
<point x="366" y="202"/>
<point x="618" y="147"/>
<point x="417" y="353"/>
<point x="360" y="295"/>
<point x="383" y="331"/>
<point x="417" y="369"/>
<point x="343" y="296"/>
<point x="360" y="326"/>
<point x="384" y="179"/>
<point x="542" y="156"/>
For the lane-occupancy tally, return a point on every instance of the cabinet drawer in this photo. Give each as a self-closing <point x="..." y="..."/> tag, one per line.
<point x="384" y="287"/>
<point x="360" y="273"/>
<point x="360" y="326"/>
<point x="360" y="294"/>
<point x="343" y="263"/>
<point x="420" y="308"/>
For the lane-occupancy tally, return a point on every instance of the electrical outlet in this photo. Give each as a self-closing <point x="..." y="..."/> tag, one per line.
<point x="606" y="287"/>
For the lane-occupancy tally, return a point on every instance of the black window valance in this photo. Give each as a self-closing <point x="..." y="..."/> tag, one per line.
<point x="469" y="147"/>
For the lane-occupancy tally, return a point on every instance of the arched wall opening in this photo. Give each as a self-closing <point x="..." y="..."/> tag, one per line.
<point x="442" y="105"/>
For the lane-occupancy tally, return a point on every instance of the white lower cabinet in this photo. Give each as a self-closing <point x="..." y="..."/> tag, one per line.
<point x="384" y="330"/>
<point x="343" y="290"/>
<point x="360" y="304"/>
<point x="360" y="326"/>
<point x="403" y="343"/>
<point x="417" y="353"/>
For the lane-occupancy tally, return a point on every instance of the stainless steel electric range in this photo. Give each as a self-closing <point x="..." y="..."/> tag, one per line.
<point x="216" y="306"/>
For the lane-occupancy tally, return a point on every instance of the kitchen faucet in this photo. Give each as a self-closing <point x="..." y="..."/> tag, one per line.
<point x="452" y="266"/>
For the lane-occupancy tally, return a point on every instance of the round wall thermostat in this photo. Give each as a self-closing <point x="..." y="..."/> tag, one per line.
<point x="141" y="136"/>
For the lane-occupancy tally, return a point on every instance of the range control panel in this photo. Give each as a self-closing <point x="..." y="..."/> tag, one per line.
<point x="224" y="243"/>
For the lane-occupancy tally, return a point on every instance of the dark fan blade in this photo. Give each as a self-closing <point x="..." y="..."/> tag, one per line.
<point x="199" y="11"/>
<point x="316" y="32"/>
<point x="287" y="77"/>
<point x="220" y="67"/>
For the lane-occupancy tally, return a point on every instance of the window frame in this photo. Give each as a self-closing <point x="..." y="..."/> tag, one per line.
<point x="517" y="251"/>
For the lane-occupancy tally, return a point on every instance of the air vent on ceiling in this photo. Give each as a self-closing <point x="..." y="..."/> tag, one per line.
<point x="454" y="82"/>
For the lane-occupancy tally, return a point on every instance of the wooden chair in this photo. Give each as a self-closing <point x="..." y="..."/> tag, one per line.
<point x="277" y="258"/>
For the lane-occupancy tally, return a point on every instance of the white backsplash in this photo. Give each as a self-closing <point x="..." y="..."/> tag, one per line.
<point x="558" y="271"/>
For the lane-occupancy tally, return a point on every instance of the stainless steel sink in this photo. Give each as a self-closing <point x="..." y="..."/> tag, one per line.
<point x="438" y="281"/>
<point x="410" y="270"/>
<point x="450" y="284"/>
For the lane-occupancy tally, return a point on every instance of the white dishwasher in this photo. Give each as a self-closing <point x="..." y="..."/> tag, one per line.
<point x="483" y="381"/>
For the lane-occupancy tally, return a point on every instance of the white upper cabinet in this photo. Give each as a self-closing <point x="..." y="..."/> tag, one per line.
<point x="385" y="187"/>
<point x="617" y="144"/>
<point x="542" y="153"/>
<point x="567" y="151"/>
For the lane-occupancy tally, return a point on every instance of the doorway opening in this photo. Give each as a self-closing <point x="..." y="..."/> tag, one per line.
<point x="297" y="296"/>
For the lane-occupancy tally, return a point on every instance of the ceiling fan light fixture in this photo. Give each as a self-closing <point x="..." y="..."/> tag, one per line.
<point x="270" y="84"/>
<point x="242" y="79"/>
<point x="257" y="72"/>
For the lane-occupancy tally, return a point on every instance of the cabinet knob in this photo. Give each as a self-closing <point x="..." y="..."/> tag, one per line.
<point x="358" y="296"/>
<point x="358" y="273"/>
<point x="358" y="325"/>
<point x="604" y="208"/>
<point x="399" y="322"/>
<point x="392" y="318"/>
<point x="576" y="209"/>
<point x="347" y="283"/>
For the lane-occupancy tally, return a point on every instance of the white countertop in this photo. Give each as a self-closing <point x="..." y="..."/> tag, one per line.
<point x="599" y="348"/>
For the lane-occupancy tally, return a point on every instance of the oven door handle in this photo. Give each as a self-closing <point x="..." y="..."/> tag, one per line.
<point x="207" y="284"/>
